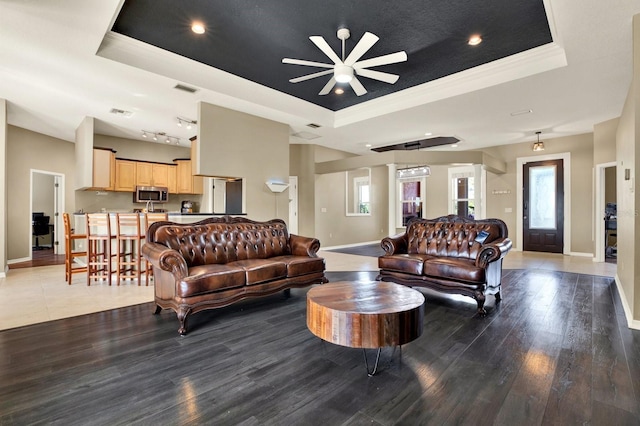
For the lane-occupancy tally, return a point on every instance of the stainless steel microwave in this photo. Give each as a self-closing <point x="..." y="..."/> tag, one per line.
<point x="157" y="194"/>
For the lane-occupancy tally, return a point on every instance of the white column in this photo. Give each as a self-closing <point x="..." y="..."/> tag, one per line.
<point x="391" y="170"/>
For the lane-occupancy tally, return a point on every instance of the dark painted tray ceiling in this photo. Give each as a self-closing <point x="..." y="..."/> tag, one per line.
<point x="249" y="38"/>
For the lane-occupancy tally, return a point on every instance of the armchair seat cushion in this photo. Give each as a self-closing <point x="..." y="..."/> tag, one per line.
<point x="209" y="278"/>
<point x="454" y="268"/>
<point x="261" y="270"/>
<point x="410" y="263"/>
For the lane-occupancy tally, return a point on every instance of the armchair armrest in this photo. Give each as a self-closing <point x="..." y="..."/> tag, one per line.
<point x="304" y="246"/>
<point x="394" y="244"/>
<point x="493" y="251"/>
<point x="166" y="259"/>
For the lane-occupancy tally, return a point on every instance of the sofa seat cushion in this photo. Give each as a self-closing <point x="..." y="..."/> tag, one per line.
<point x="301" y="265"/>
<point x="409" y="263"/>
<point x="261" y="270"/>
<point x="209" y="278"/>
<point x="455" y="268"/>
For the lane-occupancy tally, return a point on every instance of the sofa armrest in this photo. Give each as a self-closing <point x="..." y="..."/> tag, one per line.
<point x="166" y="259"/>
<point x="304" y="246"/>
<point x="493" y="251"/>
<point x="394" y="244"/>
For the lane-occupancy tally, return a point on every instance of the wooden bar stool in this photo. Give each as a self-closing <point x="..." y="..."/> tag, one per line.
<point x="98" y="247"/>
<point x="150" y="218"/>
<point x="129" y="242"/>
<point x="69" y="250"/>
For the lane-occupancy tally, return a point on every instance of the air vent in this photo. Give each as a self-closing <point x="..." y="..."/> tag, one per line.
<point x="313" y="125"/>
<point x="121" y="112"/>
<point x="306" y="135"/>
<point x="185" y="88"/>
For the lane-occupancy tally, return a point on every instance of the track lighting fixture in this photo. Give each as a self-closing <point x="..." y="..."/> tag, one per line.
<point x="411" y="172"/>
<point x="186" y="122"/>
<point x="155" y="135"/>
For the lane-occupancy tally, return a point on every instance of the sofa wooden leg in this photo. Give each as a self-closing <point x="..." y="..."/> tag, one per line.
<point x="157" y="310"/>
<point x="287" y="293"/>
<point x="498" y="297"/>
<point x="183" y="313"/>
<point x="480" y="299"/>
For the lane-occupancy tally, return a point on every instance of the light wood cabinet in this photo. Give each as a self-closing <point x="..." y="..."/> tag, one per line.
<point x="172" y="179"/>
<point x="125" y="175"/>
<point x="104" y="163"/>
<point x="152" y="174"/>
<point x="187" y="183"/>
<point x="144" y="173"/>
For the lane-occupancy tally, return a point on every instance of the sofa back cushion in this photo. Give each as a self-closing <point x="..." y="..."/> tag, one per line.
<point x="452" y="236"/>
<point x="218" y="241"/>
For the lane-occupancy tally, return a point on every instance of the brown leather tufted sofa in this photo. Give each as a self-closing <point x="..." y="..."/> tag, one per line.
<point x="219" y="261"/>
<point x="442" y="254"/>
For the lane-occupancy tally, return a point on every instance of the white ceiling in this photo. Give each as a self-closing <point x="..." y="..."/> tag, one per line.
<point x="59" y="63"/>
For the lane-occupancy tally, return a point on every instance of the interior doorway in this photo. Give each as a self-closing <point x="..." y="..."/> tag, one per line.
<point x="47" y="202"/>
<point x="605" y="248"/>
<point x="293" y="205"/>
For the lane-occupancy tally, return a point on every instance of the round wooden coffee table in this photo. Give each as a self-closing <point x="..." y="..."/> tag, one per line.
<point x="365" y="315"/>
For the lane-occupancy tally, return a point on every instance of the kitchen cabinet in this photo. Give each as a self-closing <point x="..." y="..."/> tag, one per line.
<point x="104" y="173"/>
<point x="125" y="175"/>
<point x="172" y="179"/>
<point x="152" y="174"/>
<point x="144" y="174"/>
<point x="187" y="183"/>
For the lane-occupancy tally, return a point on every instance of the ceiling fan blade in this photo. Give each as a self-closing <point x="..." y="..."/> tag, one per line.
<point x="391" y="58"/>
<point x="310" y="76"/>
<point x="327" y="88"/>
<point x="365" y="43"/>
<point x="357" y="86"/>
<point x="326" y="49"/>
<point x="377" y="75"/>
<point x="307" y="63"/>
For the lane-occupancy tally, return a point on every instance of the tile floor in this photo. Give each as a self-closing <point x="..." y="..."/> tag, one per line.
<point x="38" y="294"/>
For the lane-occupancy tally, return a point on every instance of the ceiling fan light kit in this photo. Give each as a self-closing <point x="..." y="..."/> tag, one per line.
<point x="346" y="70"/>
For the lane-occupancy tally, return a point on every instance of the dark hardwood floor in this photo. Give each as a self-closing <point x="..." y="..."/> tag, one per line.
<point x="44" y="257"/>
<point x="556" y="351"/>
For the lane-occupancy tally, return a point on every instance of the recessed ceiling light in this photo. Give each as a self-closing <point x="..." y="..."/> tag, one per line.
<point x="368" y="145"/>
<point x="455" y="145"/>
<point x="198" y="27"/>
<point x="428" y="134"/>
<point x="475" y="40"/>
<point x="339" y="91"/>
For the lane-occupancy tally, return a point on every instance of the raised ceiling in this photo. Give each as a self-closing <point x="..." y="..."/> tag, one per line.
<point x="249" y="38"/>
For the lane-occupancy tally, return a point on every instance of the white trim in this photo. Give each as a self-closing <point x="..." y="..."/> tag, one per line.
<point x="293" y="205"/>
<point x="351" y="245"/>
<point x="634" y="324"/>
<point x="598" y="210"/>
<point x="23" y="259"/>
<point x="566" y="160"/>
<point x="391" y="184"/>
<point x="578" y="254"/>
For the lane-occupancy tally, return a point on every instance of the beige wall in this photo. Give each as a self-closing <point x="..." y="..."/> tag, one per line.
<point x="28" y="150"/>
<point x="235" y="144"/>
<point x="604" y="141"/>
<point x="333" y="226"/>
<point x="302" y="165"/>
<point x="3" y="188"/>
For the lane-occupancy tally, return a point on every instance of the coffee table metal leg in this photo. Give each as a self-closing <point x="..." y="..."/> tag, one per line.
<point x="366" y="363"/>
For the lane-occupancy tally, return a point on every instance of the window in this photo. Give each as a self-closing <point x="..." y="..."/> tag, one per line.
<point x="411" y="196"/>
<point x="465" y="191"/>
<point x="358" y="190"/>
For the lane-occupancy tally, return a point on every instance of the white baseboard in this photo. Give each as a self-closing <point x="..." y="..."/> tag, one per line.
<point x="351" y="245"/>
<point x="23" y="259"/>
<point x="578" y="254"/>
<point x="634" y="324"/>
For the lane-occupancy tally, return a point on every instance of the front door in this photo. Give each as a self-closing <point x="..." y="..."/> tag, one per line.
<point x="543" y="209"/>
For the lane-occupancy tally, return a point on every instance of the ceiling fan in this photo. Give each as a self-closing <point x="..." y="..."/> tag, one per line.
<point x="345" y="70"/>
